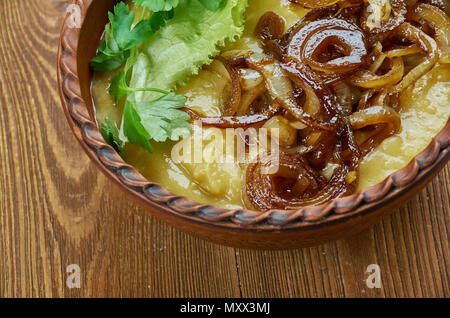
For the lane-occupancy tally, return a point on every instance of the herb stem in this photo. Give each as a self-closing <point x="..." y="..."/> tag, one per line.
<point x="144" y="12"/>
<point x="156" y="90"/>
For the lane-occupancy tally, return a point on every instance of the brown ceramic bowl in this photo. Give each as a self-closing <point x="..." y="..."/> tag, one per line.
<point x="239" y="228"/>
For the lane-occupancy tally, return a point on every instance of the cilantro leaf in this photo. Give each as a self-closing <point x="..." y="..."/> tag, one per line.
<point x="212" y="5"/>
<point x="106" y="63"/>
<point x="124" y="35"/>
<point x="158" y="19"/>
<point x="162" y="118"/>
<point x="121" y="21"/>
<point x="110" y="133"/>
<point x="121" y="36"/>
<point x="159" y="120"/>
<point x="157" y="5"/>
<point x="133" y="129"/>
<point x="119" y="87"/>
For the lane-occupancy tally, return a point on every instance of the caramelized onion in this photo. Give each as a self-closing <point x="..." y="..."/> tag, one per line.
<point x="234" y="121"/>
<point x="280" y="88"/>
<point x="304" y="77"/>
<point x="372" y="97"/>
<point x="311" y="44"/>
<point x="375" y="14"/>
<point x="441" y="21"/>
<point x="380" y="13"/>
<point x="379" y="60"/>
<point x="311" y="4"/>
<point x="412" y="49"/>
<point x="319" y="86"/>
<point x="376" y="115"/>
<point x="314" y="88"/>
<point x="313" y="15"/>
<point x="346" y="95"/>
<point x="427" y="44"/>
<point x="232" y="105"/>
<point x="444" y="5"/>
<point x="368" y="79"/>
<point x="322" y="151"/>
<point x="249" y="78"/>
<point x="270" y="27"/>
<point x="333" y="78"/>
<point x="296" y="184"/>
<point x="249" y="97"/>
<point x="280" y="127"/>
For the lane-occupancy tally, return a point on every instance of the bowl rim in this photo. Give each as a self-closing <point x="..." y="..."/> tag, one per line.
<point x="152" y="195"/>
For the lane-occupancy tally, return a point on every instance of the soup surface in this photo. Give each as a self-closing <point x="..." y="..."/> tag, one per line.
<point x="424" y="111"/>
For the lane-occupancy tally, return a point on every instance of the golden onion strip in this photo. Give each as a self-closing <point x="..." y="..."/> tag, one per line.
<point x="427" y="44"/>
<point x="409" y="50"/>
<point x="307" y="186"/>
<point x="368" y="79"/>
<point x="312" y="4"/>
<point x="380" y="12"/>
<point x="372" y="116"/>
<point x="314" y="38"/>
<point x="231" y="107"/>
<point x="280" y="88"/>
<point x="249" y="97"/>
<point x="441" y="21"/>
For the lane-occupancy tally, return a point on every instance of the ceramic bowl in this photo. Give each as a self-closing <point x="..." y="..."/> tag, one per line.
<point x="277" y="229"/>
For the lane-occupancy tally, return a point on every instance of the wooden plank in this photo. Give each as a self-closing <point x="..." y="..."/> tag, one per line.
<point x="57" y="209"/>
<point x="411" y="247"/>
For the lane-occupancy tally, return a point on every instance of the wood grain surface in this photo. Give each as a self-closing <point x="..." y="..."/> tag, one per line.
<point x="57" y="209"/>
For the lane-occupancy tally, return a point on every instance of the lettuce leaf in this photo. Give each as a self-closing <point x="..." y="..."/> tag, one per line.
<point x="184" y="45"/>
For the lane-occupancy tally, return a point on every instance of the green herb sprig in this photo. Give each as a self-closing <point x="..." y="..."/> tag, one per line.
<point x="160" y="119"/>
<point x="121" y="36"/>
<point x="111" y="135"/>
<point x="157" y="5"/>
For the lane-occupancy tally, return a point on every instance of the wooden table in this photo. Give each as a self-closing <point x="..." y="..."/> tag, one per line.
<point x="57" y="209"/>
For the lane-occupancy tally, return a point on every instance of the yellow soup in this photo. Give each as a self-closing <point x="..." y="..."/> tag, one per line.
<point x="425" y="109"/>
